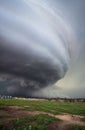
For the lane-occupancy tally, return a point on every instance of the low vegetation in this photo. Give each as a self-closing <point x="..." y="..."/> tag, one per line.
<point x="76" y="127"/>
<point x="46" y="106"/>
<point x="3" y="116"/>
<point x="34" y="122"/>
<point x="83" y="119"/>
<point x="2" y="126"/>
<point x="18" y="114"/>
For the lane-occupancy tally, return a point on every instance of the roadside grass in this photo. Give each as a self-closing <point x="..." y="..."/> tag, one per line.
<point x="76" y="127"/>
<point x="46" y="106"/>
<point x="36" y="122"/>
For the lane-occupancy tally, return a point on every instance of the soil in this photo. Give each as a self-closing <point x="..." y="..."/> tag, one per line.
<point x="13" y="112"/>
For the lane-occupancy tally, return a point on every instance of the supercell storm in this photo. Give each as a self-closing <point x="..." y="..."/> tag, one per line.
<point x="36" y="46"/>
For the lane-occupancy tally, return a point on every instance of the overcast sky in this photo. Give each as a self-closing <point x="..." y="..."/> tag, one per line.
<point x="42" y="48"/>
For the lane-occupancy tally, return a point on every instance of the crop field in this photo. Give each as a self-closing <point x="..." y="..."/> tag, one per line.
<point x="19" y="114"/>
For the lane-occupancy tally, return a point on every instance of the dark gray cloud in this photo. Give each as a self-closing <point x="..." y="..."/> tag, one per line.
<point x="36" y="46"/>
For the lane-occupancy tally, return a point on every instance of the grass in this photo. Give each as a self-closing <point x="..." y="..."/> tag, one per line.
<point x="37" y="122"/>
<point x="46" y="106"/>
<point x="2" y="107"/>
<point x="41" y="121"/>
<point x="31" y="127"/>
<point x="83" y="119"/>
<point x="76" y="127"/>
<point x="3" y="116"/>
<point x="2" y="126"/>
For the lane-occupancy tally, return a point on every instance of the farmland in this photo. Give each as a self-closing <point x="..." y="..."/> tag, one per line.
<point x="19" y="114"/>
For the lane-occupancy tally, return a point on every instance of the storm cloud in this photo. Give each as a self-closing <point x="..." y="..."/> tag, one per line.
<point x="37" y="46"/>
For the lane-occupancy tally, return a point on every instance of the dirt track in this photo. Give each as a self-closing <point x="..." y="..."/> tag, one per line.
<point x="67" y="120"/>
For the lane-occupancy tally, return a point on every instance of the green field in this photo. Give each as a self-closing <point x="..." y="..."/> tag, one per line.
<point x="40" y="121"/>
<point x="46" y="106"/>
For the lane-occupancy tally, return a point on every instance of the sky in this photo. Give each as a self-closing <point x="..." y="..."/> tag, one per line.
<point x="42" y="48"/>
<point x="74" y="82"/>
